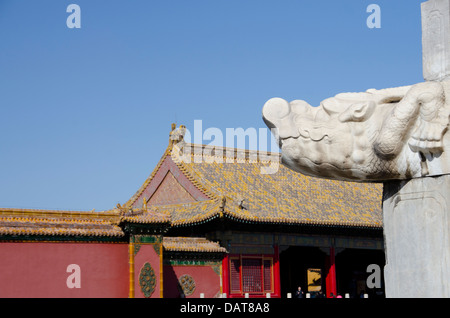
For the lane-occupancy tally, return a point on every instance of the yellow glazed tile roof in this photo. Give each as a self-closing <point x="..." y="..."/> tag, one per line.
<point x="240" y="191"/>
<point x="147" y="216"/>
<point x="59" y="223"/>
<point x="236" y="190"/>
<point x="191" y="244"/>
<point x="195" y="212"/>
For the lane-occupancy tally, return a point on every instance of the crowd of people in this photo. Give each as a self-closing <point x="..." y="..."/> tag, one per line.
<point x="318" y="294"/>
<point x="300" y="294"/>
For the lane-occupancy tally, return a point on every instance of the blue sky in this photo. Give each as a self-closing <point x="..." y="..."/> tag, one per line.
<point x="86" y="113"/>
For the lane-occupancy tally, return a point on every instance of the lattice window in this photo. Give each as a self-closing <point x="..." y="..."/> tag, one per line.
<point x="267" y="275"/>
<point x="252" y="279"/>
<point x="251" y="275"/>
<point x="235" y="275"/>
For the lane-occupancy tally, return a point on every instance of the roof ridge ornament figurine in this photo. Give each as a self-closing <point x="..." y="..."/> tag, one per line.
<point x="176" y="134"/>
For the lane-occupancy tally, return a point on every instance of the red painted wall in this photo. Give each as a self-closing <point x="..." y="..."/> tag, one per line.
<point x="40" y="269"/>
<point x="207" y="281"/>
<point x="147" y="254"/>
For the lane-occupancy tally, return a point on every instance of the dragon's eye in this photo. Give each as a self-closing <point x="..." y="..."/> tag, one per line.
<point x="391" y="100"/>
<point x="332" y="106"/>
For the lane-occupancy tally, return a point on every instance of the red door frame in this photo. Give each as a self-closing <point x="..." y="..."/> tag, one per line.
<point x="275" y="271"/>
<point x="330" y="279"/>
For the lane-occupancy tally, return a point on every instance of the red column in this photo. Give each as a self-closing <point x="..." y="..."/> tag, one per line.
<point x="225" y="276"/>
<point x="276" y="273"/>
<point x="330" y="279"/>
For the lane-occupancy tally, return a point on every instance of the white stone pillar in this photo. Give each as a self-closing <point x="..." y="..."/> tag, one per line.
<point x="436" y="40"/>
<point x="417" y="243"/>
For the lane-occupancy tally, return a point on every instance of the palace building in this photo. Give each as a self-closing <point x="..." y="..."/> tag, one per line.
<point x="207" y="222"/>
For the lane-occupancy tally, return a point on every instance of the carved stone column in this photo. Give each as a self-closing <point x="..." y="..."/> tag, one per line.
<point x="417" y="243"/>
<point x="436" y="39"/>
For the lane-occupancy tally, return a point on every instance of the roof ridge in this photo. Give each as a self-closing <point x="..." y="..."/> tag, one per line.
<point x="190" y="175"/>
<point x="200" y="183"/>
<point x="204" y="185"/>
<point x="161" y="206"/>
<point x="290" y="220"/>
<point x="192" y="244"/>
<point x="135" y="196"/>
<point x="223" y="150"/>
<point x="214" y="209"/>
<point x="60" y="213"/>
<point x="12" y="219"/>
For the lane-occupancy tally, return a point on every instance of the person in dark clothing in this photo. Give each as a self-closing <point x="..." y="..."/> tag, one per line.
<point x="299" y="292"/>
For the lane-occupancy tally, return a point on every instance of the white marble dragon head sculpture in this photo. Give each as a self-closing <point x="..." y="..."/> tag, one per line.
<point x="373" y="136"/>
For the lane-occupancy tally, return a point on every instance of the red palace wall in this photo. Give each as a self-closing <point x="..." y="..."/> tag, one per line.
<point x="147" y="254"/>
<point x="206" y="278"/>
<point x="43" y="270"/>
